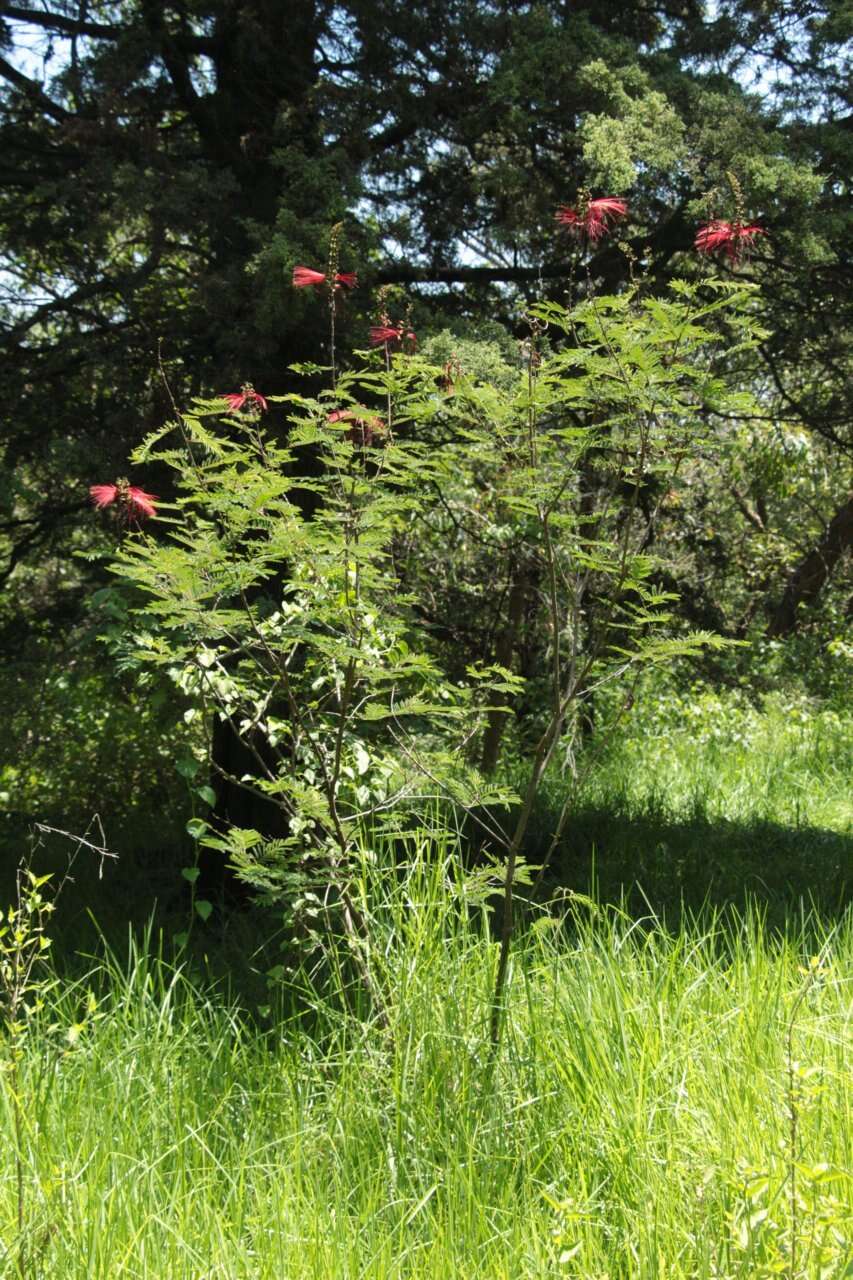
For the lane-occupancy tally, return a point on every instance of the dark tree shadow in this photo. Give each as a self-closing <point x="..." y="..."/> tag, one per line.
<point x="649" y="860"/>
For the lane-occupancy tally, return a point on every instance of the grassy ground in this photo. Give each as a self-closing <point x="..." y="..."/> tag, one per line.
<point x="657" y="1086"/>
<point x="638" y="1123"/>
<point x="702" y="797"/>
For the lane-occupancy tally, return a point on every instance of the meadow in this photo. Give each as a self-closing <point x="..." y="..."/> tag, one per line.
<point x="671" y="1098"/>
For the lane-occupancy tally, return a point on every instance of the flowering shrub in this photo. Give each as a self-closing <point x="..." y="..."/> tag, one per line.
<point x="289" y="599"/>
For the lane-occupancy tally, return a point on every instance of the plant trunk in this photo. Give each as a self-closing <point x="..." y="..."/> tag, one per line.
<point x="810" y="575"/>
<point x="504" y="653"/>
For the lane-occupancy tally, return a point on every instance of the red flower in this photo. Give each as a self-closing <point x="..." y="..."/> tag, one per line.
<point x="594" y="217"/>
<point x="305" y="277"/>
<point x="132" y="503"/>
<point x="733" y="238"/>
<point x="141" y="502"/>
<point x="382" y="334"/>
<point x="246" y="395"/>
<point x="103" y="494"/>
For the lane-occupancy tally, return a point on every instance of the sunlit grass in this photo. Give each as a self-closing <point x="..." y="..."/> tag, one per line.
<point x="705" y="797"/>
<point x="787" y="761"/>
<point x="637" y="1122"/>
<point x="639" y="1099"/>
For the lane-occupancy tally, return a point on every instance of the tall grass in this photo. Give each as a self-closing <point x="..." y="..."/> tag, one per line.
<point x="787" y="760"/>
<point x="637" y="1123"/>
<point x="706" y="797"/>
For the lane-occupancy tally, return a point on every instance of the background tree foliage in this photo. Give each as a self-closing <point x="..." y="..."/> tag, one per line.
<point x="165" y="166"/>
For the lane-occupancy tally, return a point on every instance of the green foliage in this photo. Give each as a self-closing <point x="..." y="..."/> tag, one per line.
<point x="289" y="594"/>
<point x="23" y="943"/>
<point x="165" y="168"/>
<point x="82" y="737"/>
<point x="276" y="606"/>
<point x="640" y="130"/>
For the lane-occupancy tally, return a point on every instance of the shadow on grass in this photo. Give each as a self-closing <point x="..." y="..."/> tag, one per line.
<point x="643" y="860"/>
<point x="650" y="859"/>
<point x="119" y="892"/>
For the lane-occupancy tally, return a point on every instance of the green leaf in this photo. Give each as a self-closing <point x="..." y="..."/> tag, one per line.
<point x="203" y="908"/>
<point x="187" y="766"/>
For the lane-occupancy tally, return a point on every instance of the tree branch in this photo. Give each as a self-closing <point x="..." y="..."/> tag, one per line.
<point x="60" y="23"/>
<point x="175" y="61"/>
<point x="43" y="524"/>
<point x="33" y="91"/>
<point x="810" y="575"/>
<point x="468" y="275"/>
<point x="63" y="25"/>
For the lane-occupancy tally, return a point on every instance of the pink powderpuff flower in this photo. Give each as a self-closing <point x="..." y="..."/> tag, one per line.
<point x="391" y="335"/>
<point x="246" y="395"/>
<point x="132" y="503"/>
<point x="733" y="238"/>
<point x="103" y="494"/>
<point x="594" y="217"/>
<point x="141" y="502"/>
<point x="306" y="277"/>
<point x="380" y="333"/>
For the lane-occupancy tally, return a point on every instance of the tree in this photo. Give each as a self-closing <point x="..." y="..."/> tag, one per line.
<point x="165" y="167"/>
<point x="810" y="575"/>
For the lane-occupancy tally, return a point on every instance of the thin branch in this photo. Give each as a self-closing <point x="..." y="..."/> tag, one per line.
<point x="60" y="24"/>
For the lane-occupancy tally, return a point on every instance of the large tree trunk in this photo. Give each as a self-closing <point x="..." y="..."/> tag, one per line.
<point x="810" y="575"/>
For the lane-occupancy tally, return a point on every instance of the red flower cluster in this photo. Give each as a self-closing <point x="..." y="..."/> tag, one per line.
<point x="247" y="394"/>
<point x="593" y="218"/>
<point x="733" y="238"/>
<point x="391" y="335"/>
<point x="132" y="504"/>
<point x="306" y="278"/>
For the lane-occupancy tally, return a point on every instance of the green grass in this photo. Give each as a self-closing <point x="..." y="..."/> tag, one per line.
<point x="636" y="1124"/>
<point x="702" y="797"/>
<point x="787" y="761"/>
